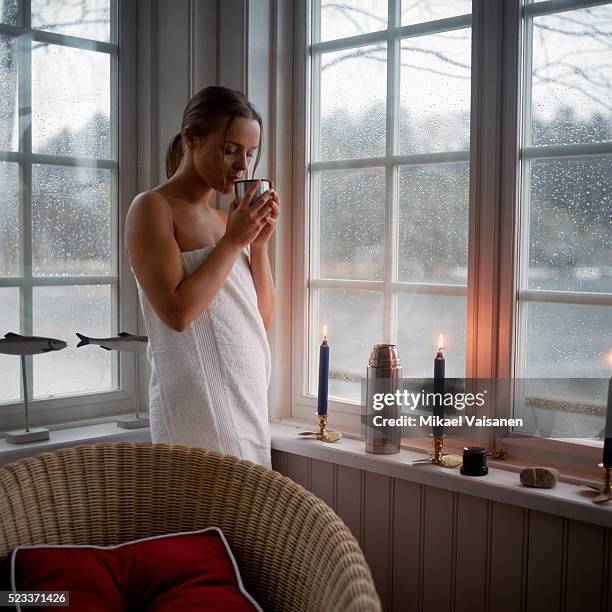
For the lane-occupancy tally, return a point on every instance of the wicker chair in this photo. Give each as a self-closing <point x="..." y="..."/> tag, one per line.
<point x="293" y="551"/>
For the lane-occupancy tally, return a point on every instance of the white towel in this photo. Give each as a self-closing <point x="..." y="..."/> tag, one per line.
<point x="209" y="383"/>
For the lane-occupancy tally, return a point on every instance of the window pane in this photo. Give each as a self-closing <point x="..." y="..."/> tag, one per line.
<point x="418" y="11"/>
<point x="353" y="108"/>
<point x="10" y="232"/>
<point x="70" y="101"/>
<point x="568" y="341"/>
<point x="344" y="312"/>
<point x="71" y="219"/>
<point x="435" y="93"/>
<point x="421" y="320"/>
<point x="571" y="225"/>
<point x="86" y="18"/>
<point x="10" y="365"/>
<point x="433" y="223"/>
<point x="9" y="11"/>
<point x="9" y="130"/>
<point x="352" y="224"/>
<point x="572" y="63"/>
<point x="351" y="17"/>
<point x="59" y="312"/>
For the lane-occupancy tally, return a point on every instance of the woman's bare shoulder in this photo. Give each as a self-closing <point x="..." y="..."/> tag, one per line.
<point x="149" y="220"/>
<point x="150" y="207"/>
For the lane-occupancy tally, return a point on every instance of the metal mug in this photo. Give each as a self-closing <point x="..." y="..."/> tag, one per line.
<point x="241" y="187"/>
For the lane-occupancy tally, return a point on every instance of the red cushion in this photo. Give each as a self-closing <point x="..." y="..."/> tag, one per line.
<point x="185" y="571"/>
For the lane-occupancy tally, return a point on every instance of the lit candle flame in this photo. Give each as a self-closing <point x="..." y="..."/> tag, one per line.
<point x="325" y="331"/>
<point x="609" y="359"/>
<point x="440" y="342"/>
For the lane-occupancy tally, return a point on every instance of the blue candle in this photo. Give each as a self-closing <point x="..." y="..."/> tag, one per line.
<point x="607" y="449"/>
<point x="438" y="386"/>
<point x="323" y="374"/>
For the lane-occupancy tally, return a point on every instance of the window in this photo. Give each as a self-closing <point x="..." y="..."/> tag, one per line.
<point x="389" y="185"/>
<point x="399" y="176"/>
<point x="59" y="195"/>
<point x="566" y="167"/>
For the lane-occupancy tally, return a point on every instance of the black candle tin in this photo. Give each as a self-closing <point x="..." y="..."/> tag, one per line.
<point x="474" y="461"/>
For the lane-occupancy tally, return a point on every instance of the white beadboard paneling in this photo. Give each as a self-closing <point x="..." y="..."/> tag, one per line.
<point x="471" y="553"/>
<point x="435" y="550"/>
<point x="377" y="532"/>
<point x="507" y="571"/>
<point x="407" y="545"/>
<point x="546" y="562"/>
<point x="585" y="563"/>
<point x="438" y="549"/>
<point x="350" y="499"/>
<point x="298" y="469"/>
<point x="323" y="481"/>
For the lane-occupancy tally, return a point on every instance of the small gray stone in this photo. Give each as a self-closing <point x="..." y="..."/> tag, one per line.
<point x="540" y="477"/>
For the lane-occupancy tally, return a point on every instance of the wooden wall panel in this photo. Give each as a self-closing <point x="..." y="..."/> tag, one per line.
<point x="298" y="469"/>
<point x="546" y="562"/>
<point x="585" y="562"/>
<point x="438" y="550"/>
<point x="407" y="546"/>
<point x="434" y="550"/>
<point x="507" y="569"/>
<point x="323" y="481"/>
<point x="471" y="553"/>
<point x="350" y="499"/>
<point x="377" y="532"/>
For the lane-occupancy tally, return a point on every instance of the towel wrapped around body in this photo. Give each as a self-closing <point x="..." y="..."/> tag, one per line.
<point x="209" y="383"/>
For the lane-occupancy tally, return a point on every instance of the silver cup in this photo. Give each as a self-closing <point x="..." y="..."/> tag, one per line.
<point x="242" y="187"/>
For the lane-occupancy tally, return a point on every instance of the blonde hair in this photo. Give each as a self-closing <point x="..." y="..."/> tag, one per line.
<point x="203" y="115"/>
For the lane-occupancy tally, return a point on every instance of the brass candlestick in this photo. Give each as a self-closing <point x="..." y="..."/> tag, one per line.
<point x="322" y="433"/>
<point x="605" y="490"/>
<point x="437" y="457"/>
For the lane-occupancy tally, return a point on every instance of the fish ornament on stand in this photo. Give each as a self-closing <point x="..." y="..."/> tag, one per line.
<point x="15" y="344"/>
<point x="130" y="344"/>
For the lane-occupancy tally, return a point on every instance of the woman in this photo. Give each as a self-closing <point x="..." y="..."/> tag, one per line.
<point x="207" y="300"/>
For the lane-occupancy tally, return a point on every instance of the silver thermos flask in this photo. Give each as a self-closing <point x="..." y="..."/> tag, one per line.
<point x="384" y="373"/>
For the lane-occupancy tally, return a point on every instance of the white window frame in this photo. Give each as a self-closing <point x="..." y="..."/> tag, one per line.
<point x="87" y="407"/>
<point x="492" y="291"/>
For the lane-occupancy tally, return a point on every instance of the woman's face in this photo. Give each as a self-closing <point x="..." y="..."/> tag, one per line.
<point x="219" y="166"/>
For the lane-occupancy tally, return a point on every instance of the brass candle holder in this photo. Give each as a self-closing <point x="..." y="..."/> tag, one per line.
<point x="322" y="433"/>
<point x="605" y="489"/>
<point x="437" y="457"/>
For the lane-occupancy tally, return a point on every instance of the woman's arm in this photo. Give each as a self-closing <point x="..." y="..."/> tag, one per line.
<point x="260" y="263"/>
<point x="264" y="284"/>
<point x="156" y="258"/>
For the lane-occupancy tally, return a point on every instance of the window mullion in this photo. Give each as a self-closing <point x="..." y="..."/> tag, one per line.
<point x="389" y="331"/>
<point x="24" y="101"/>
<point x="522" y="265"/>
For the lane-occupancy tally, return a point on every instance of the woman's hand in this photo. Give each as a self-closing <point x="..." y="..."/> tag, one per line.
<point x="245" y="221"/>
<point x="270" y="221"/>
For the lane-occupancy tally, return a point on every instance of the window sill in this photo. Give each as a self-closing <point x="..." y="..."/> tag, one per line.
<point x="73" y="436"/>
<point x="501" y="485"/>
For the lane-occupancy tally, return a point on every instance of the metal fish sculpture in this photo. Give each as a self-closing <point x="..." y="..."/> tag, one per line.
<point x="122" y="342"/>
<point x="15" y="344"/>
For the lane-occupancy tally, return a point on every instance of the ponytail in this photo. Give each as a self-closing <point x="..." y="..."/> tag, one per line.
<point x="174" y="154"/>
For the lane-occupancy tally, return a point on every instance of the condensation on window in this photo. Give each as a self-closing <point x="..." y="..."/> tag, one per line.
<point x="10" y="232"/>
<point x="59" y="312"/>
<point x="352" y="213"/>
<point x="353" y="108"/>
<point x="70" y="102"/>
<point x="71" y="221"/>
<point x="84" y="19"/>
